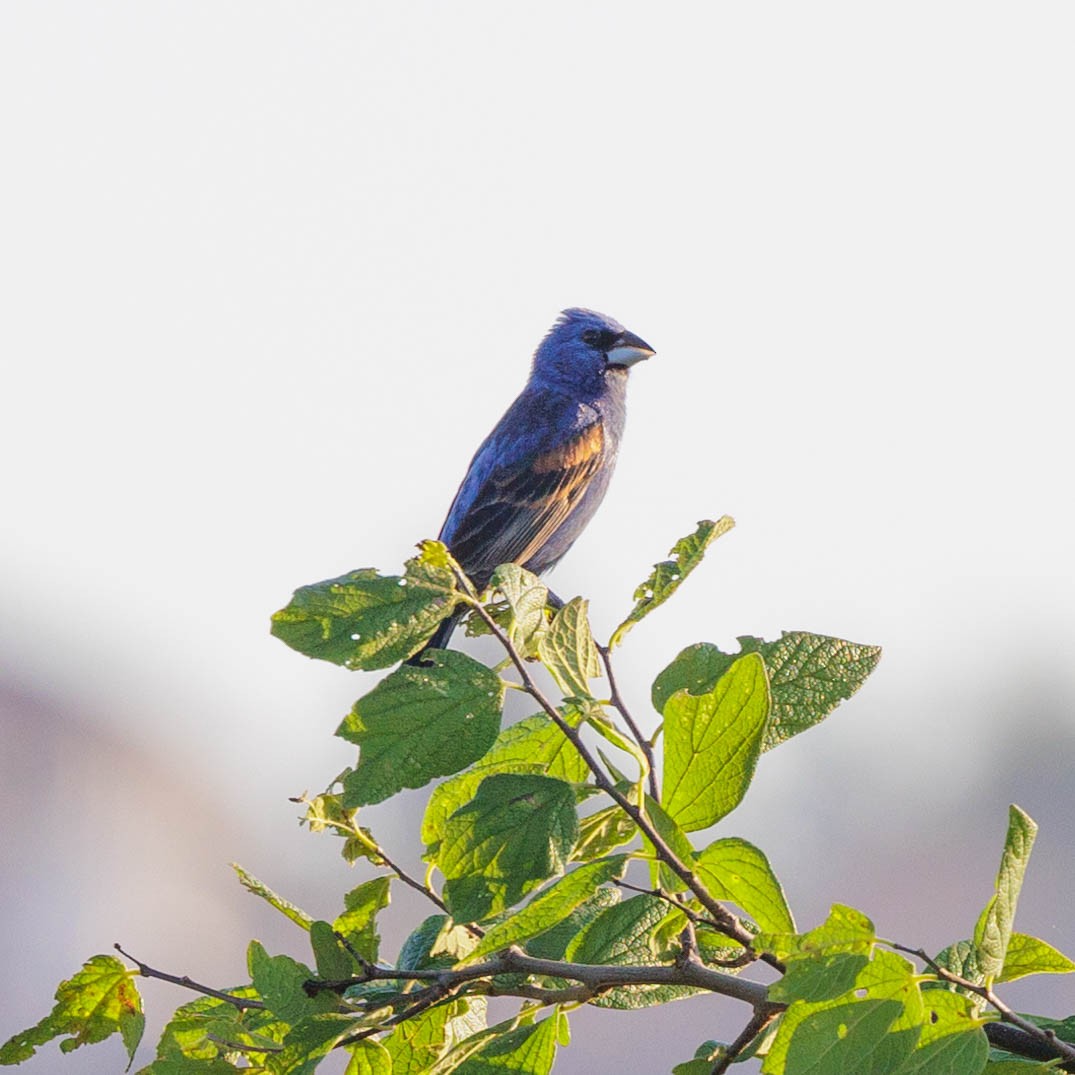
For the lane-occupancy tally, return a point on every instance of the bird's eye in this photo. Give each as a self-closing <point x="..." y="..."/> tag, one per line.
<point x="591" y="335"/>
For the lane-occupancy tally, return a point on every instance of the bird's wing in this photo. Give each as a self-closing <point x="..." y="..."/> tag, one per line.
<point x="519" y="507"/>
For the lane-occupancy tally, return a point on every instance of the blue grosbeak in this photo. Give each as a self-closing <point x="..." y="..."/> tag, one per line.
<point x="539" y="476"/>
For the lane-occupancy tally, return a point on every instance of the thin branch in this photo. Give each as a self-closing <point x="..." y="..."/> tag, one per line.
<point x="621" y="707"/>
<point x="726" y="922"/>
<point x="762" y="1017"/>
<point x="1060" y="1048"/>
<point x="188" y="983"/>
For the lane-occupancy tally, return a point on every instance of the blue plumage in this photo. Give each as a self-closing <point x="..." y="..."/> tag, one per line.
<point x="539" y="476"/>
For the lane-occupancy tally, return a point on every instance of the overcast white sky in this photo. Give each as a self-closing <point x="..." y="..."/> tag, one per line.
<point x="269" y="273"/>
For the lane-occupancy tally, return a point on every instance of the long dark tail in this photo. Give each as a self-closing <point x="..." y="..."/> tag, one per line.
<point x="441" y="637"/>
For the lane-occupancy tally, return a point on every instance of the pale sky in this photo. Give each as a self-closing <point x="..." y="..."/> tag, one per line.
<point x="270" y="272"/>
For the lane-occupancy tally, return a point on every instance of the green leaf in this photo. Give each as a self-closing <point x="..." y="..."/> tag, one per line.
<point x="98" y="1001"/>
<point x="553" y="943"/>
<point x="677" y="842"/>
<point x="419" y="723"/>
<point x="279" y="981"/>
<point x="964" y="959"/>
<point x="197" y="1029"/>
<point x="809" y="675"/>
<point x="711" y="744"/>
<point x="821" y="977"/>
<point x="602" y="832"/>
<point x="367" y="620"/>
<point x="568" y="651"/>
<point x="358" y="921"/>
<point x="309" y="1041"/>
<point x="736" y="871"/>
<point x="844" y="1038"/>
<point x="333" y="960"/>
<point x="415" y="1045"/>
<point x="369" y="1057"/>
<point x="628" y="933"/>
<point x="952" y="1041"/>
<point x="705" y="1057"/>
<point x="845" y="930"/>
<point x="289" y="910"/>
<point x="527" y="597"/>
<point x="517" y="831"/>
<point x="551" y="906"/>
<point x="994" y="927"/>
<point x="533" y="745"/>
<point x="1029" y="955"/>
<point x="526" y="1050"/>
<point x="666" y="577"/>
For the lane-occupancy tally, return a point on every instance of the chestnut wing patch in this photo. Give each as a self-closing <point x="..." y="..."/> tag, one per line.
<point x="517" y="510"/>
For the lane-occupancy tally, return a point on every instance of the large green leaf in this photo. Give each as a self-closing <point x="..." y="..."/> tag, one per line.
<point x="527" y="1050"/>
<point x="550" y="907"/>
<point x="809" y="675"/>
<point x="568" y="651"/>
<point x="737" y="871"/>
<point x="666" y="577"/>
<point x="994" y="928"/>
<point x="367" y="620"/>
<point x="532" y="745"/>
<point x="97" y="1002"/>
<point x="518" y="830"/>
<point x="419" y="723"/>
<point x="846" y="1037"/>
<point x="711" y="744"/>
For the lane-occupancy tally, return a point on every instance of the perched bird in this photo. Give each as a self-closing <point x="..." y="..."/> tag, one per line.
<point x="539" y="476"/>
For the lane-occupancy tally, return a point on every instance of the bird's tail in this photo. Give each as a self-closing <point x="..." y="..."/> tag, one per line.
<point x="441" y="637"/>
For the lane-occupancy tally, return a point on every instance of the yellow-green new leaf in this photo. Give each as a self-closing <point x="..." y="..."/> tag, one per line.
<point x="568" y="651"/>
<point x="712" y="742"/>
<point x="666" y="577"/>
<point x="738" y="872"/>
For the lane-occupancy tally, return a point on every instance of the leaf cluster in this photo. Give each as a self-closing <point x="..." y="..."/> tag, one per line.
<point x="562" y="865"/>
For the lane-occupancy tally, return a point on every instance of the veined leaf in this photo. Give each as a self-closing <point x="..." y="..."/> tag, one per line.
<point x="737" y="871"/>
<point x="809" y="675"/>
<point x="550" y="907"/>
<point x="419" y="723"/>
<point x="627" y="933"/>
<point x="666" y="577"/>
<point x="369" y="1057"/>
<point x="994" y="928"/>
<point x="1029" y="955"/>
<point x="517" y="831"/>
<point x="529" y="1049"/>
<point x="527" y="597"/>
<point x="97" y="1002"/>
<point x="358" y="921"/>
<point x="711" y="744"/>
<point x="568" y="651"/>
<point x="367" y="620"/>
<point x="532" y="745"/>
<point x="279" y="981"/>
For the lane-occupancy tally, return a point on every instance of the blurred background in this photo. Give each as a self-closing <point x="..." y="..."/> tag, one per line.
<point x="270" y="272"/>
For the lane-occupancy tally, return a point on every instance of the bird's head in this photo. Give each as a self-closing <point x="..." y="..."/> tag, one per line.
<point x="584" y="347"/>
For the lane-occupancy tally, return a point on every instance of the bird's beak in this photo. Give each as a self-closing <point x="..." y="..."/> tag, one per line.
<point x="628" y="349"/>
